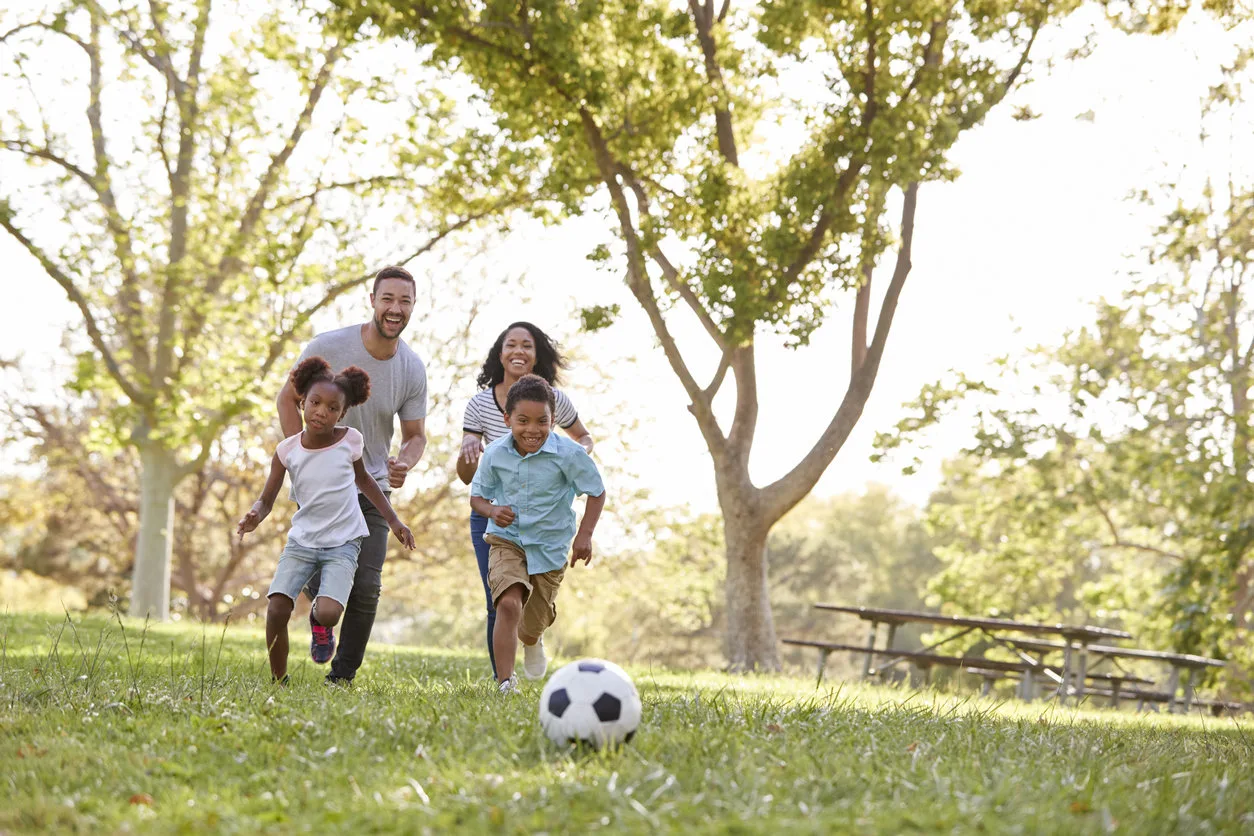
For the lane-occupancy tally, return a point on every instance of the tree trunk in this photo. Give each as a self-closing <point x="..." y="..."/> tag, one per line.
<point x="150" y="583"/>
<point x="750" y="635"/>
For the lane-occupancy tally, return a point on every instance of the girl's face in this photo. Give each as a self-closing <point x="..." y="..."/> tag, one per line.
<point x="324" y="405"/>
<point x="530" y="422"/>
<point x="518" y="352"/>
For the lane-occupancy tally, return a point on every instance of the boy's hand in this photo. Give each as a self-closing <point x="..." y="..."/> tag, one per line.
<point x="402" y="533"/>
<point x="249" y="521"/>
<point x="581" y="549"/>
<point x="503" y="515"/>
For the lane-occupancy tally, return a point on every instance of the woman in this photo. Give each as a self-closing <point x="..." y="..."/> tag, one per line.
<point x="521" y="349"/>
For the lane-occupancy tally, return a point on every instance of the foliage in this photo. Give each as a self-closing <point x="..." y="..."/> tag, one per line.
<point x="729" y="196"/>
<point x="1109" y="478"/>
<point x="118" y="727"/>
<point x="236" y="168"/>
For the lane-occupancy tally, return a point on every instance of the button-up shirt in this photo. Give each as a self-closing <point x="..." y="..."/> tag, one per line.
<point x="540" y="488"/>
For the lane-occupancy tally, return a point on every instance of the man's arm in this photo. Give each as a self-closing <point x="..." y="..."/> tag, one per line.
<point x="413" y="445"/>
<point x="288" y="403"/>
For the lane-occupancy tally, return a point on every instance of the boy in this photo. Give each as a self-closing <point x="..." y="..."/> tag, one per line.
<point x="525" y="485"/>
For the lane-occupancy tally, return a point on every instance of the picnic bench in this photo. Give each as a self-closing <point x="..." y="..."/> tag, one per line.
<point x="1070" y="677"/>
<point x="1184" y="666"/>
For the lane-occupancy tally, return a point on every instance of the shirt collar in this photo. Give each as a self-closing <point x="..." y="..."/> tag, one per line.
<point x="550" y="445"/>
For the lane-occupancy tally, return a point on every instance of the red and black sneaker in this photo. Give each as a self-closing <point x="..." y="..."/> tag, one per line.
<point x="322" y="644"/>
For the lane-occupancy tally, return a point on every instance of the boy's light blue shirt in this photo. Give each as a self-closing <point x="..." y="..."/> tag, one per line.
<point x="540" y="488"/>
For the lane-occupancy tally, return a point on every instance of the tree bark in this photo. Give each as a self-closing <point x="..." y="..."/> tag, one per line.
<point x="150" y="582"/>
<point x="750" y="634"/>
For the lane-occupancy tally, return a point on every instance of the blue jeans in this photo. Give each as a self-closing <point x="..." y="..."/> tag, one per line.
<point x="297" y="564"/>
<point x="478" y="525"/>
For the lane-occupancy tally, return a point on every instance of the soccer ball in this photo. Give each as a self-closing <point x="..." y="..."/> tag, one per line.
<point x="591" y="700"/>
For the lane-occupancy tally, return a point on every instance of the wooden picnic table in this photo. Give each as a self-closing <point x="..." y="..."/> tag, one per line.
<point x="1183" y="665"/>
<point x="1076" y="638"/>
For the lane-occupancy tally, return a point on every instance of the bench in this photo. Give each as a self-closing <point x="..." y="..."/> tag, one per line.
<point x="920" y="658"/>
<point x="1115" y="681"/>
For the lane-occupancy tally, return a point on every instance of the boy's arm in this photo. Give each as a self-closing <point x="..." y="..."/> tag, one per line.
<point x="368" y="486"/>
<point x="581" y="548"/>
<point x="261" y="508"/>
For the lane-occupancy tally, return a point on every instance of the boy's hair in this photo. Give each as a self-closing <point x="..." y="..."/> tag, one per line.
<point x="353" y="381"/>
<point x="393" y="272"/>
<point x="530" y="387"/>
<point x="549" y="361"/>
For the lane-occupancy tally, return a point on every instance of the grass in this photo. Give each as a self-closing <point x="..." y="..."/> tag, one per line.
<point x="114" y="726"/>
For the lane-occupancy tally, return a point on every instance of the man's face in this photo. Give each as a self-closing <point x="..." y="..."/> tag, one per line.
<point x="393" y="302"/>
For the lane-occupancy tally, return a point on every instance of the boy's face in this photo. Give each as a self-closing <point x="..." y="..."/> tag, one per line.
<point x="530" y="422"/>
<point x="323" y="405"/>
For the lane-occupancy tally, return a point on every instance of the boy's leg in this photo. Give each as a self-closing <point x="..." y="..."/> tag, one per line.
<point x="478" y="526"/>
<point x="363" y="601"/>
<point x="278" y="611"/>
<point x="509" y="609"/>
<point x="510" y="585"/>
<point x="538" y="615"/>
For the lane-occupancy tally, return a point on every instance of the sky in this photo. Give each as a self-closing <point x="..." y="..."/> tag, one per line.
<point x="1010" y="255"/>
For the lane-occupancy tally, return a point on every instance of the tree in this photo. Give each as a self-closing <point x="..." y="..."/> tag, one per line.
<point x="234" y="171"/>
<point x="668" y="111"/>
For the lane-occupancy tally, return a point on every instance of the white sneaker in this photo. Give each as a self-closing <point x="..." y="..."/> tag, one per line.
<point x="535" y="663"/>
<point x="509" y="686"/>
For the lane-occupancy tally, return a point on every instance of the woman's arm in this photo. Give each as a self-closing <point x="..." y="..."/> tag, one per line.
<point x="581" y="435"/>
<point x="468" y="458"/>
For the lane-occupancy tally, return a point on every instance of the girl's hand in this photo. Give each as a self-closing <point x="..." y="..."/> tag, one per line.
<point x="402" y="533"/>
<point x="581" y="549"/>
<point x="472" y="446"/>
<point x="503" y="515"/>
<point x="249" y="521"/>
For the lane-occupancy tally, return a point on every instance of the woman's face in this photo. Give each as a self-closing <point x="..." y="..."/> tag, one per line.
<point x="518" y="352"/>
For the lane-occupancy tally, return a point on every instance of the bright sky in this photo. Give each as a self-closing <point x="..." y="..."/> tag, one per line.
<point x="1008" y="256"/>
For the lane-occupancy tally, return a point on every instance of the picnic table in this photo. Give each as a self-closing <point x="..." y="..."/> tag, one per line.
<point x="1184" y="666"/>
<point x="1076" y="640"/>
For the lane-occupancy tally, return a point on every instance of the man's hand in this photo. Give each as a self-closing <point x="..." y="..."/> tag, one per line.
<point x="397" y="471"/>
<point x="503" y="515"/>
<point x="581" y="549"/>
<point x="250" y="521"/>
<point x="402" y="533"/>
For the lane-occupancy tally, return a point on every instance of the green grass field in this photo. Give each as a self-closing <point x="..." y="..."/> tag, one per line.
<point x="112" y="727"/>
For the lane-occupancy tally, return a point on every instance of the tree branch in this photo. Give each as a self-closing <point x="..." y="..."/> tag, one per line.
<point x="789" y="489"/>
<point x="703" y="18"/>
<point x="76" y="297"/>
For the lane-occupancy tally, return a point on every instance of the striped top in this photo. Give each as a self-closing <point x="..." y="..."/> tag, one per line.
<point x="487" y="417"/>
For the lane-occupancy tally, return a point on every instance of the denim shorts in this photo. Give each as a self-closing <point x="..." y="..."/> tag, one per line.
<point x="298" y="563"/>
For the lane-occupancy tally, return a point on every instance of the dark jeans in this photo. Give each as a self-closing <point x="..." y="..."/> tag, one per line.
<point x="363" y="601"/>
<point x="478" y="525"/>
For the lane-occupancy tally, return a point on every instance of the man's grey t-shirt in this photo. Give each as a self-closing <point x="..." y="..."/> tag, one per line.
<point x="398" y="387"/>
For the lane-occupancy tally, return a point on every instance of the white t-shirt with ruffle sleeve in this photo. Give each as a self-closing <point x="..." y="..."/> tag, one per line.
<point x="324" y="486"/>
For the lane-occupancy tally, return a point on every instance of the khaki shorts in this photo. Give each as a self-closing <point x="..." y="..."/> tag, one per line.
<point x="507" y="565"/>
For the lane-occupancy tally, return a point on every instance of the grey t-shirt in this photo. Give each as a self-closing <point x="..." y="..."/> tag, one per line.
<point x="398" y="387"/>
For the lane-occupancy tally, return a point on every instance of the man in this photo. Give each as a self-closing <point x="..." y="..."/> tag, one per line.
<point x="398" y="387"/>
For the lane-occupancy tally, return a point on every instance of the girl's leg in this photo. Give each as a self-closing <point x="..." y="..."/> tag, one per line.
<point x="478" y="525"/>
<point x="278" y="612"/>
<point x="327" y="611"/>
<point x="509" y="609"/>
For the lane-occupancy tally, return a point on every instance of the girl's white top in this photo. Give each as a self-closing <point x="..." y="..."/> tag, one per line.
<point x="324" y="487"/>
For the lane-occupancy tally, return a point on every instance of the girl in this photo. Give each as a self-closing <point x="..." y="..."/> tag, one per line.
<point x="328" y="526"/>
<point x="520" y="349"/>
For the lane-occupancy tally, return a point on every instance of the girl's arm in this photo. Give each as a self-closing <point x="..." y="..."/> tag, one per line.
<point x="368" y="486"/>
<point x="261" y="508"/>
<point x="581" y="548"/>
<point x="468" y="458"/>
<point x="581" y="435"/>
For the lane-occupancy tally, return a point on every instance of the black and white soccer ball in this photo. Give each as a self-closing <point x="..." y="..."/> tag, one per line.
<point x="593" y="701"/>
